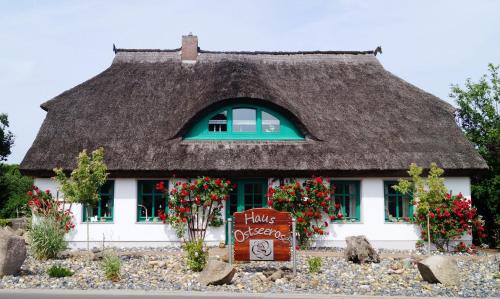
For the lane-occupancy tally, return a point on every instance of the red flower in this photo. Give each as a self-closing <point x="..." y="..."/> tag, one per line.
<point x="332" y="217"/>
<point x="29" y="193"/>
<point x="337" y="206"/>
<point x="319" y="180"/>
<point x="184" y="220"/>
<point x="270" y="203"/>
<point x="206" y="179"/>
<point x="205" y="187"/>
<point x="218" y="182"/>
<point x="339" y="215"/>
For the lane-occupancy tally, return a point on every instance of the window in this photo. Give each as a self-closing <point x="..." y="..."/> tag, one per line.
<point x="103" y="212"/>
<point x="244" y="122"/>
<point x="270" y="124"/>
<point x="150" y="201"/>
<point x="218" y="123"/>
<point x="398" y="207"/>
<point x="348" y="196"/>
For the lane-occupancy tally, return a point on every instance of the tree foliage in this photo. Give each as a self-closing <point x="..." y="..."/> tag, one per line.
<point x="83" y="185"/>
<point x="6" y="137"/>
<point x="13" y="188"/>
<point x="478" y="116"/>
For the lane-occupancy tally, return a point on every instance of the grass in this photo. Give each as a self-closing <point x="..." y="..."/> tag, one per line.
<point x="59" y="271"/>
<point x="111" y="265"/>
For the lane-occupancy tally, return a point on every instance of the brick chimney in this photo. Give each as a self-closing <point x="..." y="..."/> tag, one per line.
<point x="189" y="51"/>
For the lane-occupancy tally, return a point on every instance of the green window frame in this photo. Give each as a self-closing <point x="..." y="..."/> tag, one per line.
<point x="225" y="128"/>
<point x="398" y="207"/>
<point x="348" y="194"/>
<point x="104" y="210"/>
<point x="150" y="201"/>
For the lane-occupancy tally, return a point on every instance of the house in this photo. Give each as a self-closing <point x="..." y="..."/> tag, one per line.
<point x="257" y="118"/>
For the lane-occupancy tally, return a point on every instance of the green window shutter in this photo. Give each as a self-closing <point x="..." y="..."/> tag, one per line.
<point x="285" y="131"/>
<point x="347" y="193"/>
<point x="150" y="200"/>
<point x="104" y="211"/>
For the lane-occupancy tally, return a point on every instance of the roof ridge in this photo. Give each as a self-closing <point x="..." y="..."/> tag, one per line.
<point x="373" y="52"/>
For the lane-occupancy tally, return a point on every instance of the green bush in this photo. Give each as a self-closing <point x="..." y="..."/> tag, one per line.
<point x="59" y="271"/>
<point x="46" y="239"/>
<point x="4" y="222"/>
<point x="111" y="265"/>
<point x="314" y="264"/>
<point x="196" y="255"/>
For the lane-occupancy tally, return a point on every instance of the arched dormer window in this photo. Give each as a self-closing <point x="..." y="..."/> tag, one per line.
<point x="244" y="122"/>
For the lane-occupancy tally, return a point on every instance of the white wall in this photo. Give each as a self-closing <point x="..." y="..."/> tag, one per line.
<point x="125" y="231"/>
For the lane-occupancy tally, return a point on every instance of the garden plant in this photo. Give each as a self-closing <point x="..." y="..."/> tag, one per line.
<point x="310" y="203"/>
<point x="57" y="271"/>
<point x="111" y="266"/>
<point x="442" y="217"/>
<point x="82" y="186"/>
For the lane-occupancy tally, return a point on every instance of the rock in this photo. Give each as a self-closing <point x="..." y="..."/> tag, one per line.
<point x="439" y="269"/>
<point x="12" y="253"/>
<point x="276" y="275"/>
<point x="261" y="276"/>
<point x="216" y="273"/>
<point x="64" y="254"/>
<point x="395" y="271"/>
<point x="359" y="250"/>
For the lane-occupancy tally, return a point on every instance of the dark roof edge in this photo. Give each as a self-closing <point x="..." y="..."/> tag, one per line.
<point x="249" y="173"/>
<point x="372" y="52"/>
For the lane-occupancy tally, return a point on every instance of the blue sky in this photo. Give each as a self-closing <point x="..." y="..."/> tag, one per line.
<point x="47" y="47"/>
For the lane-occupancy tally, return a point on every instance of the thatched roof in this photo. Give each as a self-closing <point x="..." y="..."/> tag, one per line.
<point x="358" y="118"/>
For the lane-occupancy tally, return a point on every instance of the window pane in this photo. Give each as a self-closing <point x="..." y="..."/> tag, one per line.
<point x="244" y="120"/>
<point x="218" y="123"/>
<point x="391" y="204"/>
<point x="270" y="123"/>
<point x="147" y="187"/>
<point x="106" y="207"/>
<point x="257" y="200"/>
<point x="347" y="207"/>
<point x="159" y="205"/>
<point x="107" y="188"/>
<point x="146" y="207"/>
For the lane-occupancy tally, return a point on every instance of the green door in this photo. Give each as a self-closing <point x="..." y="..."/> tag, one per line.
<point x="248" y="194"/>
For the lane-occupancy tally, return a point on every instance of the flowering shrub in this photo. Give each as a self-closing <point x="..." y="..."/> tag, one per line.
<point x="449" y="217"/>
<point x="462" y="247"/>
<point x="195" y="205"/>
<point x="449" y="220"/>
<point x="43" y="204"/>
<point x="308" y="203"/>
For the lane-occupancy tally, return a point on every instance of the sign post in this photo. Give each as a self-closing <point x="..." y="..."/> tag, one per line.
<point x="294" y="247"/>
<point x="230" y="241"/>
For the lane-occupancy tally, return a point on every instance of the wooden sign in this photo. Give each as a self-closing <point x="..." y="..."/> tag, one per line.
<point x="262" y="235"/>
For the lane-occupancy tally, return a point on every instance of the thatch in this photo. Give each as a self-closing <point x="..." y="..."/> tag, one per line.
<point x="358" y="118"/>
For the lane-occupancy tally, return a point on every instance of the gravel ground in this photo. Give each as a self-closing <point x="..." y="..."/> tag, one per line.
<point x="163" y="269"/>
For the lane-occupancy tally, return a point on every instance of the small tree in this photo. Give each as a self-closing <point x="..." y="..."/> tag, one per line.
<point x="85" y="181"/>
<point x="441" y="216"/>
